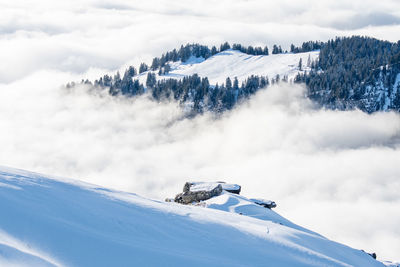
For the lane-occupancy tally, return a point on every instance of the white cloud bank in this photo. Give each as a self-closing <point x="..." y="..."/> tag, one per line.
<point x="334" y="172"/>
<point x="75" y="36"/>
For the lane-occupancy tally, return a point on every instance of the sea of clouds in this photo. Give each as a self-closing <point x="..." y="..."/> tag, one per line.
<point x="334" y="172"/>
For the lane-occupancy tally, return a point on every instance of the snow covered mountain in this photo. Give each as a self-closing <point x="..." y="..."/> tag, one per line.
<point x="344" y="73"/>
<point x="233" y="63"/>
<point x="49" y="221"/>
<point x="216" y="83"/>
<point x="356" y="72"/>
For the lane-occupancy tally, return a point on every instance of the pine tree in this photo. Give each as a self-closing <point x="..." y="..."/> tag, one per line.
<point x="224" y="46"/>
<point x="265" y="51"/>
<point x="214" y="50"/>
<point x="250" y="50"/>
<point x="292" y="48"/>
<point x="143" y="68"/>
<point x="131" y="71"/>
<point x="228" y="83"/>
<point x="235" y="84"/>
<point x="155" y="64"/>
<point x="275" y="49"/>
<point x="117" y="80"/>
<point x="167" y="68"/>
<point x="151" y="80"/>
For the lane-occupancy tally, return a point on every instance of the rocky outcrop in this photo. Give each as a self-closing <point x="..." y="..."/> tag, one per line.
<point x="232" y="188"/>
<point x="198" y="186"/>
<point x="373" y="254"/>
<point x="264" y="202"/>
<point x="189" y="196"/>
<point x="195" y="192"/>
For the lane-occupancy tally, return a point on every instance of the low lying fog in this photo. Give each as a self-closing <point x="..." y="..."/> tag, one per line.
<point x="332" y="171"/>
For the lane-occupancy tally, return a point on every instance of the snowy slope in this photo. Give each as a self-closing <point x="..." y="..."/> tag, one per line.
<point x="58" y="222"/>
<point x="233" y="63"/>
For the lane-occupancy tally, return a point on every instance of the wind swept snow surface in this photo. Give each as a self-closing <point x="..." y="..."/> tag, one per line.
<point x="57" y="222"/>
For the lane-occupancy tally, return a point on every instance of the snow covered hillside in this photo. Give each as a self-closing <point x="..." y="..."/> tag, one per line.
<point x="233" y="63"/>
<point x="57" y="222"/>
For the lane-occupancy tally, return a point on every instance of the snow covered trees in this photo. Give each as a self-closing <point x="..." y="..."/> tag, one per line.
<point x="197" y="50"/>
<point x="191" y="89"/>
<point x="306" y="47"/>
<point x="143" y="68"/>
<point x="251" y="50"/>
<point x="151" y="80"/>
<point x="276" y="49"/>
<point x="350" y="72"/>
<point x="354" y="72"/>
<point x="224" y="46"/>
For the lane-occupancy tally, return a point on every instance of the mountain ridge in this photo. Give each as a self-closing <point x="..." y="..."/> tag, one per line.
<point x="345" y="73"/>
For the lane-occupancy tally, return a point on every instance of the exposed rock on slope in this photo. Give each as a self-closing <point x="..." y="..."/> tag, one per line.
<point x="200" y="191"/>
<point x="264" y="202"/>
<point x="188" y="196"/>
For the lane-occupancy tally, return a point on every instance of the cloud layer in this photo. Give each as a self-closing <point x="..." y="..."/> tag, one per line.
<point x="334" y="172"/>
<point x="75" y="36"/>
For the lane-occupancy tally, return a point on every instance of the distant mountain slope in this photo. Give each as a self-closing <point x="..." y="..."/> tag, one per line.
<point x="215" y="84"/>
<point x="53" y="222"/>
<point x="346" y="73"/>
<point x="356" y="72"/>
<point x="233" y="63"/>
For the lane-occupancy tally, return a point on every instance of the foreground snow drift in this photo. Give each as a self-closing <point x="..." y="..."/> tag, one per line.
<point x="54" y="222"/>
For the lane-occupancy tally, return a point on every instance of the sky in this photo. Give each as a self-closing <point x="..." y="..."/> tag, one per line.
<point x="333" y="172"/>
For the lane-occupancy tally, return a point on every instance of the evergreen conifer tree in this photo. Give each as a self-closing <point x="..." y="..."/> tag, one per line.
<point x="143" y="68"/>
